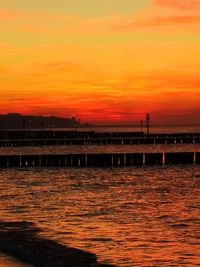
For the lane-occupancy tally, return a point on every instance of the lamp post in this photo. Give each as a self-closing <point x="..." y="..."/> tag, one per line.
<point x="147" y="120"/>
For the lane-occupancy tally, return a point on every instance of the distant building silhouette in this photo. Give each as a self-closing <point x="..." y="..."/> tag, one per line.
<point x="18" y="121"/>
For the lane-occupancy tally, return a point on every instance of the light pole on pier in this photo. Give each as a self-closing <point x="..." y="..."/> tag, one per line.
<point x="147" y="120"/>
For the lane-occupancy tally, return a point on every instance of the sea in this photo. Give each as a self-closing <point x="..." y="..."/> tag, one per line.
<point x="131" y="216"/>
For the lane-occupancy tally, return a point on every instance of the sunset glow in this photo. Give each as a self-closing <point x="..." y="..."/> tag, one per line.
<point x="107" y="61"/>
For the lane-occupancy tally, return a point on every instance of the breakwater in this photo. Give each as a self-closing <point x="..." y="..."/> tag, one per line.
<point x="99" y="160"/>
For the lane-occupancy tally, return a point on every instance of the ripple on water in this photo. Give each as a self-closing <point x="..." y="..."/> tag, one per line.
<point x="130" y="216"/>
<point x="100" y="149"/>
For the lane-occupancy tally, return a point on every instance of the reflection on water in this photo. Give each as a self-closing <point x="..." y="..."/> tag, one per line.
<point x="100" y="149"/>
<point x="121" y="128"/>
<point x="153" y="129"/>
<point x="130" y="216"/>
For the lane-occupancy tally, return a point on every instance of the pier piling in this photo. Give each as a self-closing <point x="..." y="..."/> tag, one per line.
<point x="154" y="158"/>
<point x="197" y="157"/>
<point x="99" y="160"/>
<point x="179" y="157"/>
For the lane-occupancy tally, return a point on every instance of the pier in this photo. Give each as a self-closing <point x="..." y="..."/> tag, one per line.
<point x="99" y="160"/>
<point x="63" y="138"/>
<point x="34" y="138"/>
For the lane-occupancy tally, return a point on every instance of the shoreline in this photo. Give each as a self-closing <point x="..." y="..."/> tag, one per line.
<point x="21" y="241"/>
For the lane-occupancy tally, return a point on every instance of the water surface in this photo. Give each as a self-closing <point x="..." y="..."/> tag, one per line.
<point x="147" y="216"/>
<point x="99" y="149"/>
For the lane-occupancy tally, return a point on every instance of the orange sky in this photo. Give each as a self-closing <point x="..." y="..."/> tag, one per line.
<point x="103" y="60"/>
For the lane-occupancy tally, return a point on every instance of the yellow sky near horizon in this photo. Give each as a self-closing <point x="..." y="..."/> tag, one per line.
<point x="105" y="61"/>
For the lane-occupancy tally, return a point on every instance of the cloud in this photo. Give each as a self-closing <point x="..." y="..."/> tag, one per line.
<point x="179" y="4"/>
<point x="168" y="83"/>
<point x="54" y="67"/>
<point x="158" y="21"/>
<point x="164" y="13"/>
<point x="170" y="20"/>
<point x="167" y="94"/>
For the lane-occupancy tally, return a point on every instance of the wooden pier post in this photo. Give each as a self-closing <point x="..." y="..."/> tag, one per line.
<point x="99" y="159"/>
